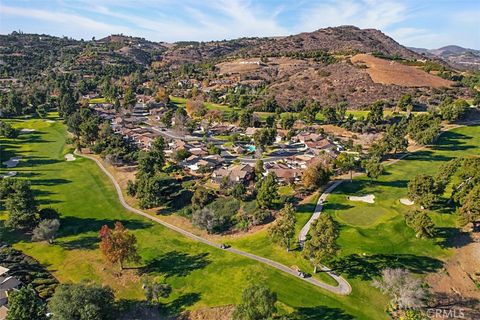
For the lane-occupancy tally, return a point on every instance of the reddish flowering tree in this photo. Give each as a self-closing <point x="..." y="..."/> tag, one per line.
<point x="118" y="244"/>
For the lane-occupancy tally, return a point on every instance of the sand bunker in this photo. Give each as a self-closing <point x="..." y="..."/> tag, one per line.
<point x="70" y="157"/>
<point x="50" y="121"/>
<point x="8" y="174"/>
<point x="406" y="202"/>
<point x="27" y="130"/>
<point x="13" y="162"/>
<point x="369" y="198"/>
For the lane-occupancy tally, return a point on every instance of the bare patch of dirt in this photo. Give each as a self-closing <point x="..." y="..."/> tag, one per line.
<point x="363" y="139"/>
<point x="392" y="72"/>
<point x="457" y="286"/>
<point x="216" y="313"/>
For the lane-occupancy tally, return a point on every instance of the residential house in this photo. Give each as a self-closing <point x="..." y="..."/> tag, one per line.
<point x="285" y="174"/>
<point x="195" y="163"/>
<point x="7" y="285"/>
<point x="250" y="131"/>
<point x="243" y="173"/>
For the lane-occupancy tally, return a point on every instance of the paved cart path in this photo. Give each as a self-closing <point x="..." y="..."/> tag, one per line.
<point x="343" y="287"/>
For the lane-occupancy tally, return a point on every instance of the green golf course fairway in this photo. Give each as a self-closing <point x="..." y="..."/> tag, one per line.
<point x="377" y="232"/>
<point x="200" y="275"/>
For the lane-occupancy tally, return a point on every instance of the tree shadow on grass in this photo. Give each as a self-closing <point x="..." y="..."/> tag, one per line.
<point x="336" y="206"/>
<point x="306" y="207"/>
<point x="50" y="182"/>
<point x="452" y="237"/>
<point x="453" y="141"/>
<point x="40" y="161"/>
<point x="73" y="225"/>
<point x="367" y="267"/>
<point x="175" y="263"/>
<point x="86" y="242"/>
<point x="427" y="155"/>
<point x="178" y="201"/>
<point x="319" y="312"/>
<point x="181" y="303"/>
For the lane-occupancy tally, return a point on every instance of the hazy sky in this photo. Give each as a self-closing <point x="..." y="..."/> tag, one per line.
<point x="420" y="23"/>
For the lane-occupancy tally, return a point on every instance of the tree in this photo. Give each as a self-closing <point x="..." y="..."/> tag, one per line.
<point x="287" y="122"/>
<point x="310" y="111"/>
<point x="264" y="137"/>
<point x="394" y="138"/>
<point x="316" y="175"/>
<point x="258" y="303"/>
<point x="82" y="302"/>
<point x="162" y="95"/>
<point x="424" y="190"/>
<point x="405" y="290"/>
<point x="246" y="118"/>
<point x="267" y="192"/>
<point x="405" y="102"/>
<point x="21" y="205"/>
<point x="453" y="110"/>
<point x="129" y="98"/>
<point x="283" y="231"/>
<point x="270" y="122"/>
<point x="424" y="129"/>
<point x="46" y="230"/>
<point x="373" y="167"/>
<point x="195" y="108"/>
<point x="421" y="222"/>
<point x="239" y="191"/>
<point x="23" y="304"/>
<point x="154" y="290"/>
<point x="8" y="131"/>
<point x="346" y="163"/>
<point x="259" y="169"/>
<point x="152" y="162"/>
<point x="118" y="244"/>
<point x="329" y="115"/>
<point x="201" y="197"/>
<point x="207" y="219"/>
<point x="153" y="191"/>
<point x="375" y="116"/>
<point x="470" y="210"/>
<point x="322" y="244"/>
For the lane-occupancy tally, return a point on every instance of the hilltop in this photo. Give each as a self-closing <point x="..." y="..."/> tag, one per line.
<point x="321" y="65"/>
<point x="458" y="57"/>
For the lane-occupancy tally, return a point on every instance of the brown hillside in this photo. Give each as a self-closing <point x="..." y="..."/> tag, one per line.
<point x="392" y="72"/>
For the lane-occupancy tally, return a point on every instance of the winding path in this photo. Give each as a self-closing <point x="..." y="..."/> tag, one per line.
<point x="335" y="183"/>
<point x="343" y="287"/>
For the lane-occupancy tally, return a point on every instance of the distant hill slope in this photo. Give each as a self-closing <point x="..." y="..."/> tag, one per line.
<point x="456" y="56"/>
<point x="338" y="39"/>
<point x="312" y="65"/>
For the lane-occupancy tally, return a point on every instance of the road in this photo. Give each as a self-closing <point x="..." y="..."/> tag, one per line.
<point x="343" y="287"/>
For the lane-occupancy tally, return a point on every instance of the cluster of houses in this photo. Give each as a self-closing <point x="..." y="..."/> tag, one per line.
<point x="7" y="285"/>
<point x="139" y="128"/>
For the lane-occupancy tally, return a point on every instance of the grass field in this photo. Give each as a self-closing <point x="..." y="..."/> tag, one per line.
<point x="200" y="275"/>
<point x="209" y="105"/>
<point x="378" y="230"/>
<point x="98" y="100"/>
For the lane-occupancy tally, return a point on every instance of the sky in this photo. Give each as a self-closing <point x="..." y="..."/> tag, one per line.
<point x="419" y="23"/>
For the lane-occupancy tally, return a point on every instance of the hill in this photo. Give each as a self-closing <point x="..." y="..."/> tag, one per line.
<point x="315" y="65"/>
<point x="458" y="57"/>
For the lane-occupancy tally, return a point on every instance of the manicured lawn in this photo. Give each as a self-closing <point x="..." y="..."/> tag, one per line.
<point x="209" y="105"/>
<point x="378" y="231"/>
<point x="375" y="236"/>
<point x="98" y="100"/>
<point x="200" y="275"/>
